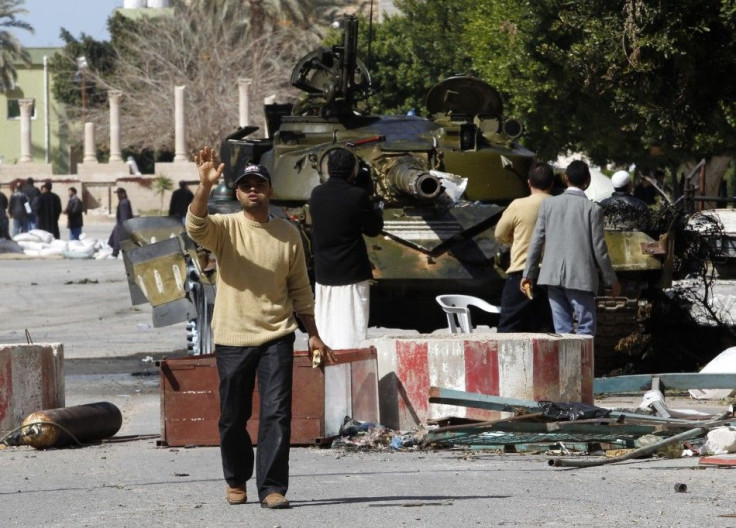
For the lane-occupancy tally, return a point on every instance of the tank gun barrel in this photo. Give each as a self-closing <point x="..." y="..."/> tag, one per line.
<point x="408" y="176"/>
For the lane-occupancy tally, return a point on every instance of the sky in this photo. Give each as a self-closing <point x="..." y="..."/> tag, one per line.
<point x="78" y="16"/>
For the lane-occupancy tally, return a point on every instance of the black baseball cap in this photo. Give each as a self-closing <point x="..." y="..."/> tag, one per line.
<point x="255" y="170"/>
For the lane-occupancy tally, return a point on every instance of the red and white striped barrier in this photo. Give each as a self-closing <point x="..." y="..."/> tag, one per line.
<point x="522" y="366"/>
<point x="31" y="379"/>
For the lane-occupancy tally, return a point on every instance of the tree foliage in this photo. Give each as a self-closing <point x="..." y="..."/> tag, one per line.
<point x="67" y="74"/>
<point x="411" y="52"/>
<point x="11" y="49"/>
<point x="609" y="78"/>
<point x="206" y="46"/>
<point x="614" y="78"/>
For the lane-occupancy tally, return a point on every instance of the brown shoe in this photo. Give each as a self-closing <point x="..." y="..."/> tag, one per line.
<point x="275" y="501"/>
<point x="236" y="495"/>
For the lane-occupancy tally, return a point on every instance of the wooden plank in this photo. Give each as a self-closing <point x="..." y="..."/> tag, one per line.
<point x="679" y="381"/>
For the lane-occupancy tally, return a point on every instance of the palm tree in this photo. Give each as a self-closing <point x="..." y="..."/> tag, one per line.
<point x="161" y="184"/>
<point x="262" y="16"/>
<point x="11" y="49"/>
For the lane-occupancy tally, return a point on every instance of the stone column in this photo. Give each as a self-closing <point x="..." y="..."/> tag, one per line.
<point x="114" y="98"/>
<point x="269" y="100"/>
<point x="26" y="111"/>
<point x="243" y="100"/>
<point x="180" y="146"/>
<point x="90" y="153"/>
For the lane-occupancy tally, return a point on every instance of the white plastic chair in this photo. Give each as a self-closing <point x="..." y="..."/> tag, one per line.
<point x="458" y="313"/>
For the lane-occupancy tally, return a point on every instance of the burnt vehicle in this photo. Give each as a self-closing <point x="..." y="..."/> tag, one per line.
<point x="443" y="182"/>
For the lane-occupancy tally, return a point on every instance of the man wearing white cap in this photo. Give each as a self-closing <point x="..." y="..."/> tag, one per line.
<point x="622" y="194"/>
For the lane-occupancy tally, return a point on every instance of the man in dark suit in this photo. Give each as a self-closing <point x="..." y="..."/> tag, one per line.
<point x="48" y="209"/>
<point x="180" y="200"/>
<point x="341" y="214"/>
<point x="570" y="231"/>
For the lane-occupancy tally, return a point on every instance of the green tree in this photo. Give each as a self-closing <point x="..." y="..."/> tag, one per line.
<point x="413" y="51"/>
<point x="206" y="45"/>
<point x="99" y="60"/>
<point x="613" y="78"/>
<point x="11" y="49"/>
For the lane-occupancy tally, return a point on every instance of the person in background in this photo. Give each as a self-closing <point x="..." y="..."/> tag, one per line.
<point x="48" y="209"/>
<point x="32" y="193"/>
<point x="4" y="221"/>
<point x="180" y="200"/>
<point x="645" y="191"/>
<point x="19" y="208"/>
<point x="73" y="212"/>
<point x="341" y="214"/>
<point x="570" y="232"/>
<point x="519" y="312"/>
<point x="123" y="212"/>
<point x="262" y="283"/>
<point x="622" y="194"/>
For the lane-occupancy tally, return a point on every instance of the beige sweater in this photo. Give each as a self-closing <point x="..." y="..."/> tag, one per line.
<point x="261" y="277"/>
<point x="516" y="227"/>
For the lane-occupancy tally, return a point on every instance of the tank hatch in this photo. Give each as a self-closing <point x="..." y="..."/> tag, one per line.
<point x="464" y="95"/>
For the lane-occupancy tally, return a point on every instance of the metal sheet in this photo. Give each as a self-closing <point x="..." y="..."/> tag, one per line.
<point x="159" y="270"/>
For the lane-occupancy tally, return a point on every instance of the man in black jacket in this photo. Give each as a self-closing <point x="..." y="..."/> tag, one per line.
<point x="623" y="210"/>
<point x="341" y="214"/>
<point x="48" y="209"/>
<point x="4" y="222"/>
<point x="19" y="208"/>
<point x="73" y="211"/>
<point x="180" y="200"/>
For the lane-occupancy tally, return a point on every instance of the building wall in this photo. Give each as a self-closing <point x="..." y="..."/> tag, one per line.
<point x="30" y="84"/>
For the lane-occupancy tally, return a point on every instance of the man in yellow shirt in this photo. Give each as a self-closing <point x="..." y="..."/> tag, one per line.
<point x="518" y="312"/>
<point x="261" y="282"/>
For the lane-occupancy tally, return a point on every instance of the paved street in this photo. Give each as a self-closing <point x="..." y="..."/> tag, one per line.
<point x="130" y="481"/>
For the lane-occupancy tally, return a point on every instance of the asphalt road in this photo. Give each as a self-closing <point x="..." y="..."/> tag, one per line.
<point x="130" y="481"/>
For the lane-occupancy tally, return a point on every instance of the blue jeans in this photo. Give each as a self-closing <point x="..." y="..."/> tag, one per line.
<point x="74" y="233"/>
<point x="237" y="367"/>
<point x="565" y="303"/>
<point x="20" y="226"/>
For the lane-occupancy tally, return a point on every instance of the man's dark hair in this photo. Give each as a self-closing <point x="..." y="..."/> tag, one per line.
<point x="46" y="185"/>
<point x="29" y="181"/>
<point x="73" y="190"/>
<point x="182" y="184"/>
<point x="340" y="163"/>
<point x="578" y="173"/>
<point x="541" y="176"/>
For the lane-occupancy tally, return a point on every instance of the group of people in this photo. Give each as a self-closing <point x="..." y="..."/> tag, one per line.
<point x="557" y="252"/>
<point x="33" y="208"/>
<point x="565" y="234"/>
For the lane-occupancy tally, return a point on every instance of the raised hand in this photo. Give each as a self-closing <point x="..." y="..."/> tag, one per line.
<point x="209" y="171"/>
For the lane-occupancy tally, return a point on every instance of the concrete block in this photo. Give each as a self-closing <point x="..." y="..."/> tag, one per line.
<point x="523" y="366"/>
<point x="31" y="379"/>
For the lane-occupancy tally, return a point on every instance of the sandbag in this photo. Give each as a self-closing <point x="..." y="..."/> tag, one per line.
<point x="43" y="236"/>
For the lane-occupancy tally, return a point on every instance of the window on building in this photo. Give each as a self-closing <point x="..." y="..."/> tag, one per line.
<point x="14" y="109"/>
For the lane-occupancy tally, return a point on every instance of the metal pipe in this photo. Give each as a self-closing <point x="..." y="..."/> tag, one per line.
<point x="636" y="453"/>
<point x="46" y="124"/>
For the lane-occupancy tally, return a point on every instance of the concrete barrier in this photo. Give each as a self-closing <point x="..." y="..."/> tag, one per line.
<point x="31" y="379"/>
<point x="524" y="366"/>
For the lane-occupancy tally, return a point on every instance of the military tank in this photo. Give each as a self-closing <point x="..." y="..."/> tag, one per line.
<point x="433" y="241"/>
